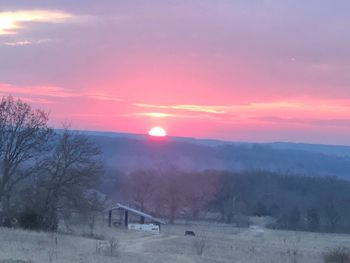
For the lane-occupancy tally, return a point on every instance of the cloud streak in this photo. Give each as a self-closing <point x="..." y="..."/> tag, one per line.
<point x="50" y="94"/>
<point x="297" y="104"/>
<point x="192" y="108"/>
<point x="306" y="111"/>
<point x="26" y="42"/>
<point x="12" y="22"/>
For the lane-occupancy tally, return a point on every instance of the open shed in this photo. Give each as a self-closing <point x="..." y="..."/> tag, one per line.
<point x="127" y="211"/>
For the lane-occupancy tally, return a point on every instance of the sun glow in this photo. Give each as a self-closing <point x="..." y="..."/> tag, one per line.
<point x="157" y="131"/>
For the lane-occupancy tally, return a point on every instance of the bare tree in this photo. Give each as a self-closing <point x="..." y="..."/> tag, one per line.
<point x="176" y="192"/>
<point x="140" y="187"/>
<point x="231" y="198"/>
<point x="172" y="194"/>
<point x="226" y="198"/>
<point x="91" y="207"/>
<point x="23" y="135"/>
<point x="332" y="214"/>
<point x="199" y="189"/>
<point x="70" y="171"/>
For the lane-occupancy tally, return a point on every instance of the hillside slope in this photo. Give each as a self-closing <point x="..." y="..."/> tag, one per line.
<point x="127" y="154"/>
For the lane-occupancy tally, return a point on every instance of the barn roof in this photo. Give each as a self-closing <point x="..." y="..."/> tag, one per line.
<point x="137" y="212"/>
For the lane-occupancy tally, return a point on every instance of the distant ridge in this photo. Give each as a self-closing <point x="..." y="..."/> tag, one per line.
<point x="129" y="152"/>
<point x="338" y="150"/>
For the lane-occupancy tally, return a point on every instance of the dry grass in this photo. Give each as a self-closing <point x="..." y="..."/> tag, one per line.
<point x="222" y="244"/>
<point x="199" y="245"/>
<point x="337" y="255"/>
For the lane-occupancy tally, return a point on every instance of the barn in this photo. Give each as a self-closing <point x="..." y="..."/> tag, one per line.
<point x="124" y="215"/>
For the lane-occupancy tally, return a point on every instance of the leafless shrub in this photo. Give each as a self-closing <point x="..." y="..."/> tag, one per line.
<point x="293" y="255"/>
<point x="113" y="247"/>
<point x="101" y="246"/>
<point x="53" y="251"/>
<point x="108" y="247"/>
<point x="338" y="255"/>
<point x="294" y="252"/>
<point x="199" y="245"/>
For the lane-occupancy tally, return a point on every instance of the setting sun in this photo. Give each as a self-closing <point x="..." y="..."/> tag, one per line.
<point x="157" y="131"/>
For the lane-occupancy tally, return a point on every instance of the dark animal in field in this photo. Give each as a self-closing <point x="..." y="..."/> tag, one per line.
<point x="189" y="233"/>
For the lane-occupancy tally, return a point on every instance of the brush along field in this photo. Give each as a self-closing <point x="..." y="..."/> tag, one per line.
<point x="213" y="243"/>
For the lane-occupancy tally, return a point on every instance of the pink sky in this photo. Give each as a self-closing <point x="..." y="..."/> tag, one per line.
<point x="233" y="70"/>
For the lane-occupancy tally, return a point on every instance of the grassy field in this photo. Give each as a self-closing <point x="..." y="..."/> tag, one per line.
<point x="213" y="243"/>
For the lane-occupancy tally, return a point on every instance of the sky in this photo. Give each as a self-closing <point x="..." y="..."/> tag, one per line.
<point x="258" y="70"/>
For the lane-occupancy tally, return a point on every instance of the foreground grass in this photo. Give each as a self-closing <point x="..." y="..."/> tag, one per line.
<point x="220" y="244"/>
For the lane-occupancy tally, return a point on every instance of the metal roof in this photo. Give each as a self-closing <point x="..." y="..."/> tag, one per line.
<point x="132" y="210"/>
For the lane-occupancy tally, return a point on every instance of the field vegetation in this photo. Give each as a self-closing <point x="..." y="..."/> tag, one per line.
<point x="213" y="243"/>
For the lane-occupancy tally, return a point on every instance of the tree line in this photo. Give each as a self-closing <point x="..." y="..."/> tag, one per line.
<point x="43" y="173"/>
<point x="318" y="204"/>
